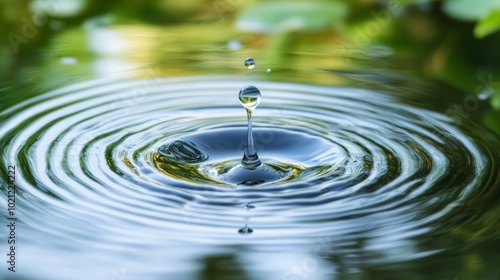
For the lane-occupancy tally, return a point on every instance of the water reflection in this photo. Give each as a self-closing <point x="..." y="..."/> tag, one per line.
<point x="223" y="267"/>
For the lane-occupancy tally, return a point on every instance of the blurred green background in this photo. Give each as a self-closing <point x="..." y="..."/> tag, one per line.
<point x="455" y="42"/>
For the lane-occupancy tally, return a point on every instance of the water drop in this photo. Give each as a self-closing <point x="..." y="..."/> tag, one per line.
<point x="250" y="99"/>
<point x="250" y="63"/>
<point x="269" y="70"/>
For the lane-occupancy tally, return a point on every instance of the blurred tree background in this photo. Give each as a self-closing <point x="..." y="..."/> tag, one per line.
<point x="455" y="42"/>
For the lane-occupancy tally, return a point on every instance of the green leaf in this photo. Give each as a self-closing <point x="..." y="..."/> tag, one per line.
<point x="470" y="9"/>
<point x="488" y="25"/>
<point x="277" y="17"/>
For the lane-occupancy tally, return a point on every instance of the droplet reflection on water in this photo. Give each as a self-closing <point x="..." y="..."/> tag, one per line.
<point x="249" y="206"/>
<point x="245" y="230"/>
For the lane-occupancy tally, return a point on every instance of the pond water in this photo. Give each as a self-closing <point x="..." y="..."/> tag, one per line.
<point x="124" y="177"/>
<point x="374" y="182"/>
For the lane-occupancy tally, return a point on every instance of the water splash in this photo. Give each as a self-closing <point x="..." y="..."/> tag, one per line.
<point x="250" y="98"/>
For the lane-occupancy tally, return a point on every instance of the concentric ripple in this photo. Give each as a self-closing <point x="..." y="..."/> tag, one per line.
<point x="356" y="164"/>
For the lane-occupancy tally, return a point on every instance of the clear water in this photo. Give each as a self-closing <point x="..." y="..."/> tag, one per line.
<point x="250" y="63"/>
<point x="138" y="187"/>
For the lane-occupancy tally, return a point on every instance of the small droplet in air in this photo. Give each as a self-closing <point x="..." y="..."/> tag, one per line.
<point x="250" y="63"/>
<point x="269" y="70"/>
<point x="250" y="97"/>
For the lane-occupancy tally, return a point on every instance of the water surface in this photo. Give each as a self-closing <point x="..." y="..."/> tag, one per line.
<point x="124" y="177"/>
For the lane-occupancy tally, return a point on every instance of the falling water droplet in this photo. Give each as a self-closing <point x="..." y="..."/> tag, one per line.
<point x="250" y="63"/>
<point x="269" y="70"/>
<point x="250" y="99"/>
